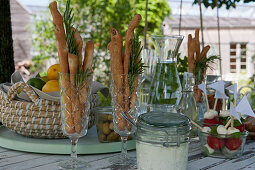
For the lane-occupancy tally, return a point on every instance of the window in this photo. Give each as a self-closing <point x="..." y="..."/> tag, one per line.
<point x="243" y="57"/>
<point x="238" y="57"/>
<point x="232" y="58"/>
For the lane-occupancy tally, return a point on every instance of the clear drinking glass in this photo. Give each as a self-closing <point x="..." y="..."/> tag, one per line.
<point x="75" y="92"/>
<point x="125" y="101"/>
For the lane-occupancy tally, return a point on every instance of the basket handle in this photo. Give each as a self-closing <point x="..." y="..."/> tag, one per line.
<point x="13" y="92"/>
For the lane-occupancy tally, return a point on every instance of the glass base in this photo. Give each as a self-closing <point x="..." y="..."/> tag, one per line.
<point x="76" y="164"/>
<point x="125" y="162"/>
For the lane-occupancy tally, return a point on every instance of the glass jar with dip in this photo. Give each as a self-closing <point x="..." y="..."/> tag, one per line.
<point x="162" y="141"/>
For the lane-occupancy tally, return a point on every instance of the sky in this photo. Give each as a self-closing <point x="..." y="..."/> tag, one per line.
<point x="46" y="2"/>
<point x="35" y="2"/>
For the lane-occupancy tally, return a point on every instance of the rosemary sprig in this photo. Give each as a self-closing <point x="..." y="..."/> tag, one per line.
<point x="68" y="20"/>
<point x="136" y="66"/>
<point x="82" y="76"/>
<point x="201" y="67"/>
<point x="73" y="45"/>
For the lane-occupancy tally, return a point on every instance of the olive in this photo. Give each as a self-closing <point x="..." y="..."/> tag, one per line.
<point x="104" y="117"/>
<point x="111" y="126"/>
<point x="112" y="136"/>
<point x="106" y="129"/>
<point x="101" y="137"/>
<point x="110" y="117"/>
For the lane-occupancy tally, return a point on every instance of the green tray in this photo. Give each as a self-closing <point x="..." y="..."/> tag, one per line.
<point x="86" y="145"/>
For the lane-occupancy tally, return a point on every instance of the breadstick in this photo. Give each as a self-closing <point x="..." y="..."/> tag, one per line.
<point x="88" y="56"/>
<point x="60" y="35"/>
<point x="73" y="61"/>
<point x="197" y="42"/>
<point x="79" y="41"/>
<point x="204" y="52"/>
<point x="63" y="60"/>
<point x="133" y="97"/>
<point x="191" y="50"/>
<point x="128" y="45"/>
<point x="87" y="66"/>
<point x="115" y="48"/>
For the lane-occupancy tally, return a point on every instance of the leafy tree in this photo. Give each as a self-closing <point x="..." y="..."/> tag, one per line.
<point x="6" y="43"/>
<point x="93" y="19"/>
<point x="228" y="3"/>
<point x="44" y="41"/>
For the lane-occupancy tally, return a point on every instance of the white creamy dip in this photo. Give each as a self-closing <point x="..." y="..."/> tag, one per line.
<point x="158" y="157"/>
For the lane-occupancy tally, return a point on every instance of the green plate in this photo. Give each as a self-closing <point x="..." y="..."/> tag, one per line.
<point x="86" y="145"/>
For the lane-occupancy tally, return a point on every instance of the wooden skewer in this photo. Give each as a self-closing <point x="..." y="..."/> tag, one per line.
<point x="215" y="104"/>
<point x="195" y="124"/>
<point x="226" y="126"/>
<point x="207" y="103"/>
<point x="232" y="122"/>
<point x="224" y="102"/>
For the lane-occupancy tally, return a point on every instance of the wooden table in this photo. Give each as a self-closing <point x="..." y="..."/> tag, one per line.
<point x="15" y="160"/>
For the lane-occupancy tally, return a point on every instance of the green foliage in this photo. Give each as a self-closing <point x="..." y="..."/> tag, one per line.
<point x="228" y="3"/>
<point x="68" y="21"/>
<point x="44" y="41"/>
<point x="182" y="64"/>
<point x="135" y="63"/>
<point x="201" y="67"/>
<point x="103" y="101"/>
<point x="157" y="10"/>
<point x="94" y="19"/>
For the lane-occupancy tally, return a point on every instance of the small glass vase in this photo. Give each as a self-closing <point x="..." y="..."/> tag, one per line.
<point x="75" y="107"/>
<point x="166" y="87"/>
<point x="125" y="103"/>
<point x="187" y="104"/>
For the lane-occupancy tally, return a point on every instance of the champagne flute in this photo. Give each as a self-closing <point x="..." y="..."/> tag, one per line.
<point x="75" y="108"/>
<point x="125" y="111"/>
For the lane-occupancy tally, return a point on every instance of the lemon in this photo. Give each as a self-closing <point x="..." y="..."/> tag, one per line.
<point x="36" y="82"/>
<point x="51" y="86"/>
<point x="52" y="72"/>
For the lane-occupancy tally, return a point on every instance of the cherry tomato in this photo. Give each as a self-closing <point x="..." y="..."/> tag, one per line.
<point x="211" y="122"/>
<point x="233" y="143"/>
<point x="215" y="143"/>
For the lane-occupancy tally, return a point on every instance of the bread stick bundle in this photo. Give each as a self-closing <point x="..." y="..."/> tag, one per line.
<point x="120" y="73"/>
<point x="195" y="56"/>
<point x="70" y="58"/>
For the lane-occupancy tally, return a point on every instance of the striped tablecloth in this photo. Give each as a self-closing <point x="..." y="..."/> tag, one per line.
<point x="15" y="160"/>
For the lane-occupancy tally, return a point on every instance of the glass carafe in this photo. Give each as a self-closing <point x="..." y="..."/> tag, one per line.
<point x="166" y="88"/>
<point x="187" y="104"/>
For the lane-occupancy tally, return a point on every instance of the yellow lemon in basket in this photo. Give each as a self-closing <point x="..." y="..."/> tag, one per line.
<point x="52" y="72"/>
<point x="51" y="86"/>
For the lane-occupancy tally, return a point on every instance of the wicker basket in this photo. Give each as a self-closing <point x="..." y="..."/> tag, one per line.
<point x="39" y="118"/>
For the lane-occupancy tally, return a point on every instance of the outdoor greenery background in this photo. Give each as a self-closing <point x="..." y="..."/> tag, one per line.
<point x="93" y="19"/>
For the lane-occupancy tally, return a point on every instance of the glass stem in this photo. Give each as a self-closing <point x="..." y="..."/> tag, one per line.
<point x="74" y="142"/>
<point x="124" y="146"/>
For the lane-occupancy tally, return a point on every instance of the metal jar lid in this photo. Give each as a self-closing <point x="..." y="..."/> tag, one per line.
<point x="103" y="109"/>
<point x="168" y="129"/>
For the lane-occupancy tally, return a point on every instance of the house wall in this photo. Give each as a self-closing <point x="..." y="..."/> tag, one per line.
<point x="228" y="35"/>
<point x="21" y="34"/>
